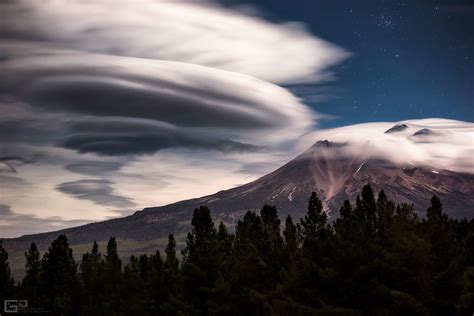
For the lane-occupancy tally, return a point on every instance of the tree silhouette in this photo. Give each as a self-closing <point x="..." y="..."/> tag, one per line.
<point x="59" y="283"/>
<point x="377" y="258"/>
<point x="6" y="281"/>
<point x="30" y="286"/>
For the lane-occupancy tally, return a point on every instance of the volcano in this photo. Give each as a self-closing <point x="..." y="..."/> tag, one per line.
<point x="327" y="168"/>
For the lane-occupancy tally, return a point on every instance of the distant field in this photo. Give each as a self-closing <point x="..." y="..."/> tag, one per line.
<point x="126" y="248"/>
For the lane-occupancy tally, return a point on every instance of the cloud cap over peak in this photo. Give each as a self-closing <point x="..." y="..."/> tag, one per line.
<point x="448" y="146"/>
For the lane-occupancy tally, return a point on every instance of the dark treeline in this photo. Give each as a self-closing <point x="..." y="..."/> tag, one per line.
<point x="375" y="259"/>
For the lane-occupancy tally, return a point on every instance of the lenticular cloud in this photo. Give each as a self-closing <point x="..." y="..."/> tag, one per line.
<point x="142" y="105"/>
<point x="202" y="33"/>
<point x="439" y="143"/>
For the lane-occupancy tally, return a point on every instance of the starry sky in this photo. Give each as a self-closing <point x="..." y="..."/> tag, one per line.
<point x="107" y="108"/>
<point x="411" y="59"/>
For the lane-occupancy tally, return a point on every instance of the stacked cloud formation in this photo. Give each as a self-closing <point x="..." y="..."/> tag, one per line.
<point x="438" y="143"/>
<point x="102" y="98"/>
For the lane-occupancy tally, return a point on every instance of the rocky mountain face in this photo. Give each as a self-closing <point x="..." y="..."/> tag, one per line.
<point x="326" y="168"/>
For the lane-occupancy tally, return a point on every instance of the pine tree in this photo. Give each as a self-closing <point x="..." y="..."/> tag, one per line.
<point x="59" y="284"/>
<point x="225" y="244"/>
<point x="171" y="263"/>
<point x="385" y="211"/>
<point x="201" y="240"/>
<point x="291" y="238"/>
<point x="6" y="280"/>
<point x="345" y="224"/>
<point x="314" y="227"/>
<point x="249" y="265"/>
<point x="346" y="210"/>
<point x="143" y="264"/>
<point x="133" y="298"/>
<point x="369" y="207"/>
<point x="111" y="279"/>
<point x="90" y="266"/>
<point x="435" y="211"/>
<point x="200" y="262"/>
<point x="157" y="286"/>
<point x="171" y="274"/>
<point x="30" y="285"/>
<point x="270" y="220"/>
<point x="91" y="269"/>
<point x="113" y="264"/>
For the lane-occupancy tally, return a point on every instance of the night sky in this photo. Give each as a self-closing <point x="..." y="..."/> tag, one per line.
<point x="411" y="59"/>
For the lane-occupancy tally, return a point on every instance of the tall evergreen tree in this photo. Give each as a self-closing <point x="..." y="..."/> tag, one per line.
<point x="91" y="266"/>
<point x="171" y="303"/>
<point x="314" y="227"/>
<point x="156" y="284"/>
<point x="31" y="282"/>
<point x="270" y="220"/>
<point x="91" y="269"/>
<point x="171" y="263"/>
<point x="59" y="282"/>
<point x="249" y="265"/>
<point x="385" y="211"/>
<point x="368" y="205"/>
<point x="291" y="238"/>
<point x="435" y="211"/>
<point x="113" y="264"/>
<point x="200" y="267"/>
<point x="224" y="248"/>
<point x="225" y="240"/>
<point x="6" y="280"/>
<point x="134" y="298"/>
<point x="201" y="240"/>
<point x="346" y="210"/>
<point x="111" y="278"/>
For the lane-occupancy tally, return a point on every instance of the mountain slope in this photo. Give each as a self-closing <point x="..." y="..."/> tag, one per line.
<point x="325" y="168"/>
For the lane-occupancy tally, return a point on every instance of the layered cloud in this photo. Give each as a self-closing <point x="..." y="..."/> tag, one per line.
<point x="94" y="167"/>
<point x="119" y="105"/>
<point x="439" y="143"/>
<point x="199" y="32"/>
<point x="99" y="191"/>
<point x="107" y="107"/>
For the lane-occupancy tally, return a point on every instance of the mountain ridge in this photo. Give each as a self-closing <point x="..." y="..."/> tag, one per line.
<point x="324" y="168"/>
<point x="327" y="168"/>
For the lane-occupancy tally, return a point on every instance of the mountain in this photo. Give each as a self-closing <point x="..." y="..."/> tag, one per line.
<point x="397" y="128"/>
<point x="423" y="132"/>
<point x="327" y="168"/>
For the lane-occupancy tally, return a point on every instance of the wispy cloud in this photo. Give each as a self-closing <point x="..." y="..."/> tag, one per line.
<point x="99" y="191"/>
<point x="16" y="224"/>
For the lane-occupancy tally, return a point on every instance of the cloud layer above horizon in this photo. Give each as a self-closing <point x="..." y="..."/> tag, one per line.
<point x="106" y="108"/>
